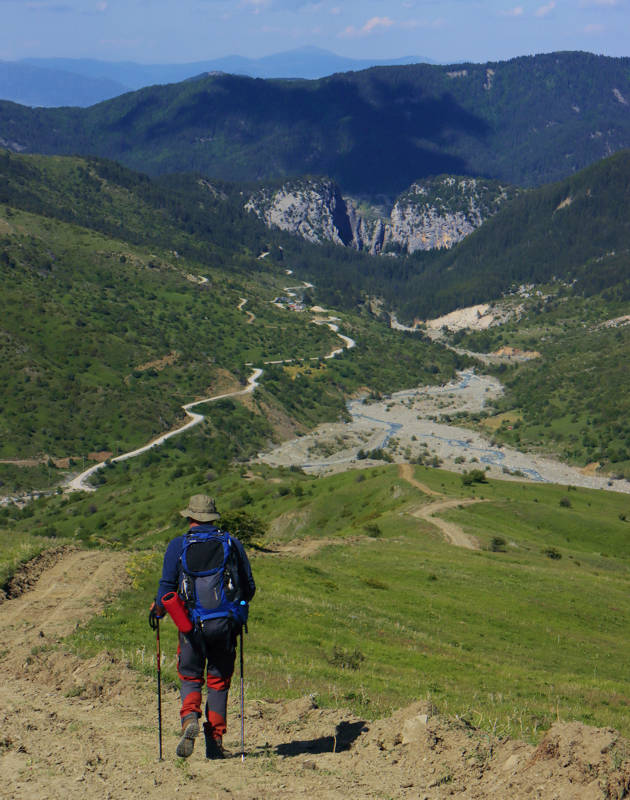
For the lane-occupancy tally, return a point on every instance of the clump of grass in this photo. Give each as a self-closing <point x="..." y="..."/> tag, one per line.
<point x="374" y="583"/>
<point x="346" y="659"/>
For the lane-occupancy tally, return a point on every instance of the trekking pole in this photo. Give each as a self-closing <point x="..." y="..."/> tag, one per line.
<point x="242" y="702"/>
<point x="159" y="687"/>
<point x="154" y="622"/>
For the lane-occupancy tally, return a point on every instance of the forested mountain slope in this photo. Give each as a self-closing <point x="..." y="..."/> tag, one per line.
<point x="526" y="121"/>
<point x="576" y="230"/>
<point x="122" y="300"/>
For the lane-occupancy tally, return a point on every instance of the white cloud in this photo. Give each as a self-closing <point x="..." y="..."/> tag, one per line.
<point x="594" y="28"/>
<point x="102" y="5"/>
<point x="335" y="11"/>
<point x="517" y="11"/>
<point x="371" y="26"/>
<point x="543" y="11"/>
<point x="377" y="22"/>
<point x="609" y="3"/>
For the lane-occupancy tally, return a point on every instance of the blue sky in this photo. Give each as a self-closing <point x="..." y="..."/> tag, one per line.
<point x="161" y="31"/>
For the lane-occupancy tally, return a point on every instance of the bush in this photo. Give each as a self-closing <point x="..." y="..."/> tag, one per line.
<point x="374" y="583"/>
<point x="552" y="552"/>
<point x="246" y="527"/>
<point x="497" y="544"/>
<point x="474" y="476"/>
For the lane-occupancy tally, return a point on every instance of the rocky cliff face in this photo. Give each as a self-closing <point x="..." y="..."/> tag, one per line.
<point x="313" y="208"/>
<point x="439" y="212"/>
<point x="433" y="213"/>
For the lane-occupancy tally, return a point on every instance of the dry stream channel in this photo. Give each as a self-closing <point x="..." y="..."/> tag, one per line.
<point x="412" y="423"/>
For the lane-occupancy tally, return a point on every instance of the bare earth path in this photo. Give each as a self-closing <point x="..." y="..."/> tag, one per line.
<point x="452" y="532"/>
<point x="86" y="729"/>
<point x="405" y="471"/>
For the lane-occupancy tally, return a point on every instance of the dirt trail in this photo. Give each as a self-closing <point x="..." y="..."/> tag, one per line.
<point x="72" y="728"/>
<point x="452" y="532"/>
<point x="250" y="316"/>
<point x="406" y="472"/>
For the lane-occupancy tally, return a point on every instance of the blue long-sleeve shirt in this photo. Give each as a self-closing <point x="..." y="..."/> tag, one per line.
<point x="169" y="582"/>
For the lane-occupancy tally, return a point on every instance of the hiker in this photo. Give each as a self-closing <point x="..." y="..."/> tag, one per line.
<point x="216" y="605"/>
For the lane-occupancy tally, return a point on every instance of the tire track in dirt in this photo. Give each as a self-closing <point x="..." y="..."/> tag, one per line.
<point x="406" y="472"/>
<point x="66" y="594"/>
<point x="451" y="532"/>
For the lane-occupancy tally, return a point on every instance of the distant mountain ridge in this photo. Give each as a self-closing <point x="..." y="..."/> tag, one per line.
<point x="50" y="82"/>
<point x="32" y="85"/>
<point x="301" y="62"/>
<point x="527" y="121"/>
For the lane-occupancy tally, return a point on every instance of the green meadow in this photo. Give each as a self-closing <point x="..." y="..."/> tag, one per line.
<point x="528" y="629"/>
<point x="132" y="291"/>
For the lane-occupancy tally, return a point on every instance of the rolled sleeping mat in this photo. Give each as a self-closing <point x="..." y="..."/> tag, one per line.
<point x="176" y="610"/>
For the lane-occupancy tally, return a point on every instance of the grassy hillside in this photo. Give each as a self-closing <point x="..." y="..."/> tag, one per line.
<point x="526" y="121"/>
<point x="121" y="302"/>
<point x="386" y="612"/>
<point x="103" y="341"/>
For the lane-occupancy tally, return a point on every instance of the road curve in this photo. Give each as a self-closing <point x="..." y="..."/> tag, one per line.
<point x="79" y="483"/>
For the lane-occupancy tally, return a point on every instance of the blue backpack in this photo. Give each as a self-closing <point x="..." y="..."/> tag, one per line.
<point x="210" y="582"/>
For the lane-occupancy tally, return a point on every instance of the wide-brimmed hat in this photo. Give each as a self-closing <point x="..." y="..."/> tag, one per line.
<point x="202" y="508"/>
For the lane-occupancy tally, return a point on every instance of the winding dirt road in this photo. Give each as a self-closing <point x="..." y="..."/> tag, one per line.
<point x="80" y="482"/>
<point x="250" y="316"/>
<point x="452" y="532"/>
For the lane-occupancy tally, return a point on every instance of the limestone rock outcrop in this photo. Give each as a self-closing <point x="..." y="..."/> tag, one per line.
<point x="432" y="213"/>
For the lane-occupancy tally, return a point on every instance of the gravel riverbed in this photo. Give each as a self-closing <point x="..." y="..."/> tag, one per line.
<point x="412" y="423"/>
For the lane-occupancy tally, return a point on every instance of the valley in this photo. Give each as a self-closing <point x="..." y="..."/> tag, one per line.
<point x="423" y="441"/>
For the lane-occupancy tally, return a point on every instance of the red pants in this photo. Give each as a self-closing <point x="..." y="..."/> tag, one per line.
<point x="218" y="663"/>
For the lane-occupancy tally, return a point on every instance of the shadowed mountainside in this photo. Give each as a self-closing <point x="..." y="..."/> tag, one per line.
<point x="526" y="121"/>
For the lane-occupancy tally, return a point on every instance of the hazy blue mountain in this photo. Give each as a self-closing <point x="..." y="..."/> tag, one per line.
<point x="303" y="62"/>
<point x="32" y="85"/>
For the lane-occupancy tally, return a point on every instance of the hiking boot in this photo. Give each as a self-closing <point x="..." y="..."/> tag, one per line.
<point x="214" y="744"/>
<point x="190" y="731"/>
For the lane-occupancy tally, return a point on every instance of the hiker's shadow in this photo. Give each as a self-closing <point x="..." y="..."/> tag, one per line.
<point x="345" y="735"/>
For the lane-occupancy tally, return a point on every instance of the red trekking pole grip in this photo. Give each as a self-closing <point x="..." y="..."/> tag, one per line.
<point x="176" y="610"/>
